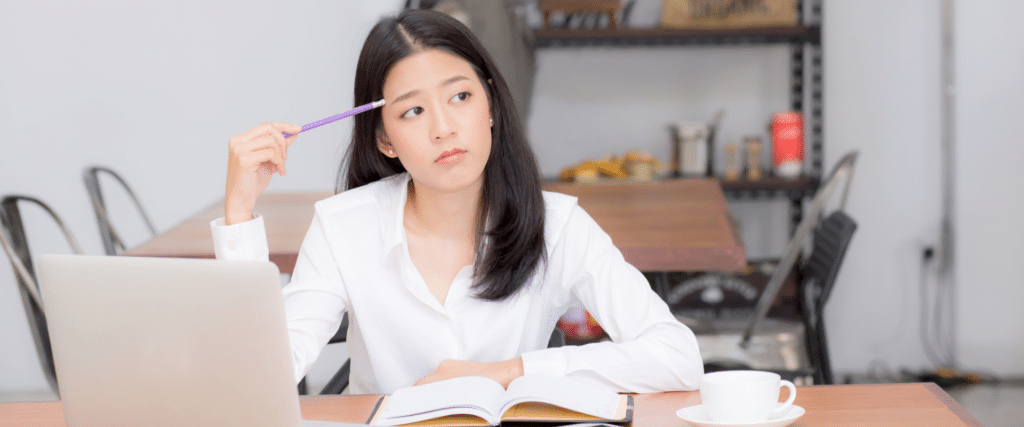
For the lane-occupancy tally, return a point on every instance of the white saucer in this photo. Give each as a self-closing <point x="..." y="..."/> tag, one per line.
<point x="696" y="416"/>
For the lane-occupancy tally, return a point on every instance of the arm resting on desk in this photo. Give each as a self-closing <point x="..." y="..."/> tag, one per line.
<point x="651" y="350"/>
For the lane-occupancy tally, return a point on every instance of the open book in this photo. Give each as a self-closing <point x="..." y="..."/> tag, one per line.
<point x="479" y="401"/>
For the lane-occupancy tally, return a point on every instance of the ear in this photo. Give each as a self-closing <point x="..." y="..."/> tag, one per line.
<point x="384" y="145"/>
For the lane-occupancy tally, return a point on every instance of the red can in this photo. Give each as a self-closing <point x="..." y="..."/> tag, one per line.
<point x="788" y="143"/>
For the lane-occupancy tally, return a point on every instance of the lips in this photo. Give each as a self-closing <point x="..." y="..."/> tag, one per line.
<point x="450" y="156"/>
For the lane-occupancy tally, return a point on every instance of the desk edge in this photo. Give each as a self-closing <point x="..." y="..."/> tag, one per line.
<point x="952" y="404"/>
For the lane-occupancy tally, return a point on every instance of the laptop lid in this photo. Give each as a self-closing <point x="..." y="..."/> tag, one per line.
<point x="168" y="342"/>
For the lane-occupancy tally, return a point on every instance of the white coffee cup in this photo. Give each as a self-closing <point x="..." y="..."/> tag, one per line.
<point x="744" y="396"/>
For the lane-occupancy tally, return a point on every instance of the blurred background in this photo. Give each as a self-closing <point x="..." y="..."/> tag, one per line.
<point x="154" y="90"/>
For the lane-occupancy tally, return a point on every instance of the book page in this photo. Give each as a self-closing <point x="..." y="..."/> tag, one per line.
<point x="452" y="421"/>
<point x="465" y="395"/>
<point x="534" y="411"/>
<point x="440" y="418"/>
<point x="569" y="393"/>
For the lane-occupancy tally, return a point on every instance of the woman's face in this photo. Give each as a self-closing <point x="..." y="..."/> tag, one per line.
<point x="436" y="120"/>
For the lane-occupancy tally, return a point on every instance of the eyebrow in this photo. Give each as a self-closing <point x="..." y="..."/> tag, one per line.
<point x="412" y="93"/>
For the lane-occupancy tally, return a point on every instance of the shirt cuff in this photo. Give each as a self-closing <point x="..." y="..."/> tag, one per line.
<point x="245" y="241"/>
<point x="549" y="361"/>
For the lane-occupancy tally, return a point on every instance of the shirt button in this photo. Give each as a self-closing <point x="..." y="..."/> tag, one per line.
<point x="232" y="245"/>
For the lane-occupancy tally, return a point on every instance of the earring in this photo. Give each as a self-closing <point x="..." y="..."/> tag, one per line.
<point x="391" y="152"/>
<point x="492" y="121"/>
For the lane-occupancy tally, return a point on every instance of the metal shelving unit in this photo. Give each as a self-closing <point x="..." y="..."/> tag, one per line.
<point x="771" y="187"/>
<point x="806" y="78"/>
<point x="546" y="38"/>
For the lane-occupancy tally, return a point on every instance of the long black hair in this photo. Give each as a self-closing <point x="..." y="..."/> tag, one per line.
<point x="512" y="206"/>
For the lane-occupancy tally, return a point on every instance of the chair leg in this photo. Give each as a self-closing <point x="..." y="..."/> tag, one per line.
<point x="813" y="352"/>
<point x="807" y="311"/>
<point x="826" y="365"/>
<point x="339" y="381"/>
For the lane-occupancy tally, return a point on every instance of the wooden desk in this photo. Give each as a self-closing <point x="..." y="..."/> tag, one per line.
<point x="675" y="225"/>
<point x="671" y="225"/>
<point x="287" y="217"/>
<point x="903" y="405"/>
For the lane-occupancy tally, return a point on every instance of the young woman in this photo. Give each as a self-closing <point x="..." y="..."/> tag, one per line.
<point x="443" y="250"/>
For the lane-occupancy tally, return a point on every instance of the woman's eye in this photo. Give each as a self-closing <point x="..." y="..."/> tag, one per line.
<point x="412" y="112"/>
<point x="461" y="96"/>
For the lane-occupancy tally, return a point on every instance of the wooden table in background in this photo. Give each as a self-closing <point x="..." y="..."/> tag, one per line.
<point x="673" y="225"/>
<point x="897" y="405"/>
<point x="286" y="215"/>
<point x="670" y="225"/>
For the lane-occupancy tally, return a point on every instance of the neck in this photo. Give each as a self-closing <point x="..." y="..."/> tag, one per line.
<point x="447" y="214"/>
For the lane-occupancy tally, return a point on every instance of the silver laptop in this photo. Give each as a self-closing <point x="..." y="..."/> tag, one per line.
<point x="169" y="342"/>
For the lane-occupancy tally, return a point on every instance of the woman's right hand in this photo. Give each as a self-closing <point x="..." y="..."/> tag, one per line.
<point x="253" y="157"/>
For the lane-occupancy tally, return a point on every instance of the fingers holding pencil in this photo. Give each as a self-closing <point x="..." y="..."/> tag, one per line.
<point x="267" y="139"/>
<point x="253" y="157"/>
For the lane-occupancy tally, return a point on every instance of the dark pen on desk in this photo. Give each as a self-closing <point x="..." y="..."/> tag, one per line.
<point x="334" y="118"/>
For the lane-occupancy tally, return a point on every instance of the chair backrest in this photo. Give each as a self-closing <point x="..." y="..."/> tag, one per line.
<point x="113" y="243"/>
<point x="15" y="243"/>
<point x="831" y="239"/>
<point x="841" y="175"/>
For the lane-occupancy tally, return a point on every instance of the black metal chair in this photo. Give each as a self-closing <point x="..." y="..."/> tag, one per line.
<point x="818" y="277"/>
<point x="12" y="237"/>
<point x="831" y="237"/>
<point x="113" y="243"/>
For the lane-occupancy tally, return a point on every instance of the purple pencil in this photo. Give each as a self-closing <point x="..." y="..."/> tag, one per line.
<point x="334" y="118"/>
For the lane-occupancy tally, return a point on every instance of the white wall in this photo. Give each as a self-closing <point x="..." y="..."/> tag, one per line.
<point x="882" y="71"/>
<point x="989" y="187"/>
<point x="883" y="97"/>
<point x="154" y="90"/>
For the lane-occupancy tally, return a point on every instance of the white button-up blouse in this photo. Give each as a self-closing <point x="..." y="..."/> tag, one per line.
<point x="355" y="258"/>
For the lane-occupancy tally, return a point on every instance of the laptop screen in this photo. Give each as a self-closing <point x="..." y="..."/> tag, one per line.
<point x="163" y="341"/>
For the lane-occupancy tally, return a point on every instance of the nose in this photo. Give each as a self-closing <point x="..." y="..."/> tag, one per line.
<point x="443" y="126"/>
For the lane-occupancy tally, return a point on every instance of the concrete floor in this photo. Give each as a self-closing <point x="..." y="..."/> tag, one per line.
<point x="993" y="405"/>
